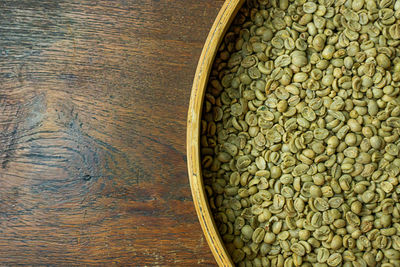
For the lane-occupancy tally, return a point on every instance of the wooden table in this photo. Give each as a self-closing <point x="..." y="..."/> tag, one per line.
<point x="93" y="103"/>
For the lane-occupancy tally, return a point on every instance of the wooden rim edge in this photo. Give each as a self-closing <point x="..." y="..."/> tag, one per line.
<point x="218" y="30"/>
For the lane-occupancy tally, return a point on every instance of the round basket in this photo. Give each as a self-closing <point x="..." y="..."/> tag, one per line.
<point x="218" y="30"/>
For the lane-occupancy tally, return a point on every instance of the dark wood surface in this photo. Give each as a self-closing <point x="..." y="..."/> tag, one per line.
<point x="93" y="103"/>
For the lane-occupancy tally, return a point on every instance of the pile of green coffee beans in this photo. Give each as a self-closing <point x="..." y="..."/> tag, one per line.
<point x="300" y="134"/>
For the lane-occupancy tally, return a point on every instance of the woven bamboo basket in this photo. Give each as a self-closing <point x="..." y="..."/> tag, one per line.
<point x="215" y="37"/>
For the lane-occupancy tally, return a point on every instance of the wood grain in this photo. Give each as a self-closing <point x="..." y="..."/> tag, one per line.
<point x="93" y="102"/>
